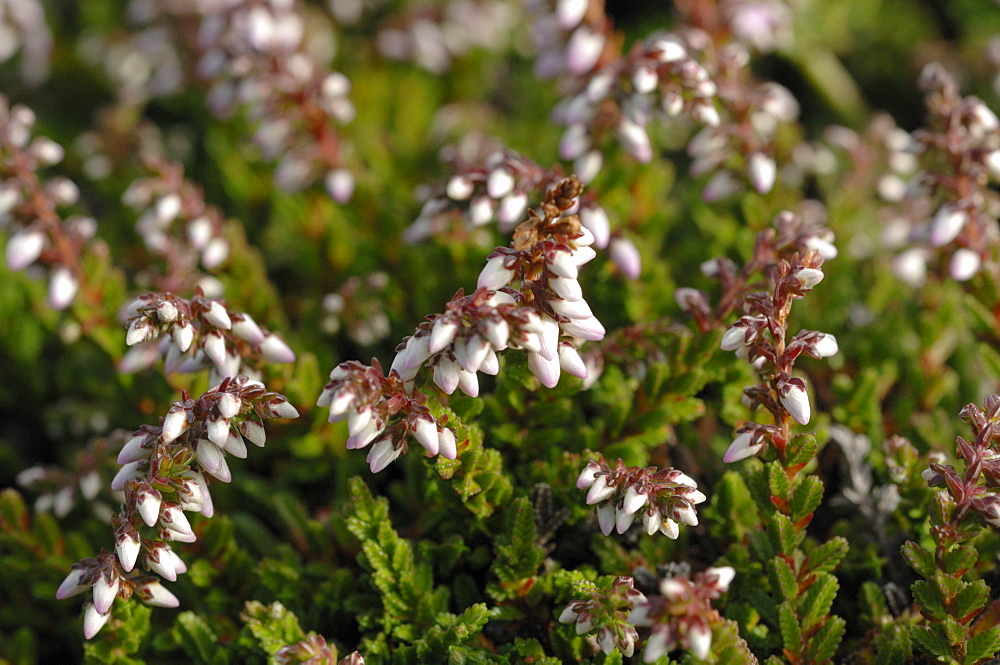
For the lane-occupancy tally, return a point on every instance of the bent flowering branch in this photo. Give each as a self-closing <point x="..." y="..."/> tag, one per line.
<point x="163" y="474"/>
<point x="664" y="498"/>
<point x="950" y="602"/>
<point x="802" y="586"/>
<point x="29" y="204"/>
<point x="197" y="333"/>
<point x="528" y="298"/>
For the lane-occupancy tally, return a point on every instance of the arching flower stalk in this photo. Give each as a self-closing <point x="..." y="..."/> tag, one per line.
<point x="760" y="338"/>
<point x="166" y="470"/>
<point x="38" y="234"/>
<point x="528" y="298"/>
<point x="195" y="334"/>
<point x="662" y="498"/>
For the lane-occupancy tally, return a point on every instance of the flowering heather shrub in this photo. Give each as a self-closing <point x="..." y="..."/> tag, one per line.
<point x="668" y="332"/>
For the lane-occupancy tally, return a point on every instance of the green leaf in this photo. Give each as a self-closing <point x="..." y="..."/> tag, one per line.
<point x="826" y="557"/>
<point x="783" y="578"/>
<point x="892" y="645"/>
<point x="783" y="534"/>
<point x="982" y="646"/>
<point x="918" y="559"/>
<point x="815" y="603"/>
<point x="777" y="481"/>
<point x="823" y="644"/>
<point x="197" y="637"/>
<point x="273" y="626"/>
<point x="931" y="639"/>
<point x="791" y="632"/>
<point x="806" y="497"/>
<point x="929" y="598"/>
<point x="518" y="555"/>
<point x="959" y="559"/>
<point x="801" y="449"/>
<point x="971" y="597"/>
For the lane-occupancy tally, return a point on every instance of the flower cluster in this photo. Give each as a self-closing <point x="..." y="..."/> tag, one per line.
<point x="683" y="613"/>
<point x="977" y="489"/>
<point x="176" y="224"/>
<point x="163" y="474"/>
<point x="358" y="308"/>
<point x="942" y="184"/>
<point x="37" y="234"/>
<point x="59" y="487"/>
<point x="544" y="316"/>
<point x="258" y="59"/>
<point x="664" y="498"/>
<point x="24" y="30"/>
<point x="314" y="650"/>
<point x="657" y="79"/>
<point x="434" y="35"/>
<point x="571" y="37"/>
<point x="607" y="612"/>
<point x="378" y="408"/>
<point x="197" y="333"/>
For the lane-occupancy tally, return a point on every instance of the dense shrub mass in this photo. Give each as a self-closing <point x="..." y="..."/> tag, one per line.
<point x="647" y="332"/>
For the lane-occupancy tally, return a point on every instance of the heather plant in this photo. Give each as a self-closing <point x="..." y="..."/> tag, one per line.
<point x="654" y="325"/>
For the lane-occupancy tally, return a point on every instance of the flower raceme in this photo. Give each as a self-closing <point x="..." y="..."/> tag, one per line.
<point x="528" y="297"/>
<point x="664" y="498"/>
<point x="197" y="333"/>
<point x="166" y="471"/>
<point x="607" y="613"/>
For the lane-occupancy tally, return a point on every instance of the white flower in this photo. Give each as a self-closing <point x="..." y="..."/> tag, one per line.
<point x="127" y="473"/>
<point x="24" y="247"/>
<point x="218" y="316"/>
<point x="762" y="172"/>
<point x="633" y="500"/>
<point x="825" y="346"/>
<point x="173" y="518"/>
<point x="948" y="222"/>
<point x="699" y="640"/>
<point x="495" y="274"/>
<point x="274" y="349"/>
<point x="652" y="520"/>
<point x="964" y="264"/>
<point x="93" y="621"/>
<point x="148" y="503"/>
<point x="229" y="405"/>
<point x="459" y="188"/>
<point x="623" y="520"/>
<point x="426" y="433"/>
<point x="546" y="371"/>
<point x="499" y="183"/>
<point x="442" y="334"/>
<point x="382" y="454"/>
<point x="809" y="277"/>
<point x="133" y="450"/>
<point x="570" y="360"/>
<point x="446" y="374"/>
<point x="156" y="595"/>
<point x="174" y="424"/>
<point x="588" y="475"/>
<point x="447" y="446"/>
<point x="127" y="549"/>
<point x="743" y="446"/>
<point x="73" y="584"/>
<point x="600" y="490"/>
<point x="105" y="593"/>
<point x="796" y="401"/>
<point x="183" y="335"/>
<point x="606" y="517"/>
<point x="63" y="286"/>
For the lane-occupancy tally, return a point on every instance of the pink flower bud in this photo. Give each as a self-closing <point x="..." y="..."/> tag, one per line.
<point x="63" y="286"/>
<point x="633" y="500"/>
<point x="596" y="220"/>
<point x="183" y="335"/>
<point x="623" y="520"/>
<point x="491" y="364"/>
<point x="468" y="383"/>
<point x="947" y="224"/>
<point x="446" y="374"/>
<point x="606" y="517"/>
<point x="253" y="431"/>
<point x="442" y="334"/>
<point x="73" y="584"/>
<point x="247" y="329"/>
<point x="588" y="329"/>
<point x="382" y="454"/>
<point x="105" y="592"/>
<point x="600" y="490"/>
<point x="634" y="139"/>
<point x="340" y="185"/>
<point x="93" y="621"/>
<point x="626" y="256"/>
<point x="743" y="446"/>
<point x="964" y="264"/>
<point x="275" y="350"/>
<point x="155" y="594"/>
<point x="127" y="548"/>
<point x="426" y="433"/>
<point x="495" y="275"/>
<point x="762" y="172"/>
<point x="126" y="474"/>
<point x="794" y="398"/>
<point x="578" y="309"/>
<point x="217" y="315"/>
<point x="587" y="477"/>
<point x="148" y="503"/>
<point x="699" y="639"/>
<point x="546" y="371"/>
<point x="24" y="247"/>
<point x="570" y="360"/>
<point x="447" y="446"/>
<point x="583" y="50"/>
